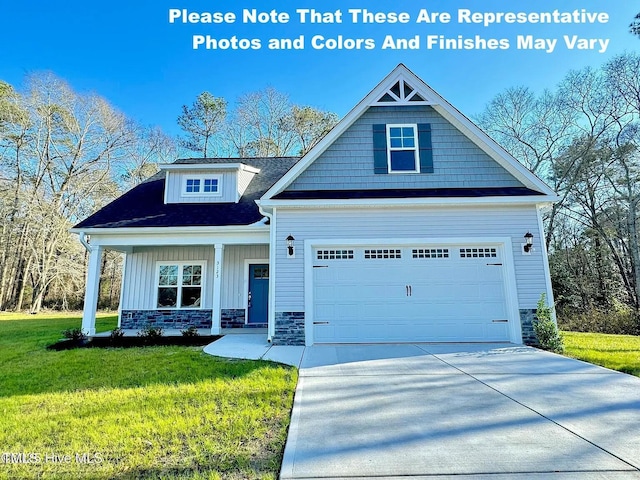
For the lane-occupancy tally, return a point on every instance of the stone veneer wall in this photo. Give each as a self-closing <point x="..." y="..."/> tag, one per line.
<point x="289" y="328"/>
<point x="235" y="318"/>
<point x="180" y="319"/>
<point x="527" y="316"/>
<point x="232" y="318"/>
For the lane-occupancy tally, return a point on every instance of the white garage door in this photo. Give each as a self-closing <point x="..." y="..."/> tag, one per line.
<point x="426" y="293"/>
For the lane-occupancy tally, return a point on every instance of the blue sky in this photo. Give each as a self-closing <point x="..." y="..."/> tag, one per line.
<point x="128" y="52"/>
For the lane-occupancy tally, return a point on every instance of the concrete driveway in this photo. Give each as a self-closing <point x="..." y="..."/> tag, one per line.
<point x="460" y="411"/>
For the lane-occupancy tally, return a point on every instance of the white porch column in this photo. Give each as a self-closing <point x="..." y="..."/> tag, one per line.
<point x="218" y="261"/>
<point x="92" y="289"/>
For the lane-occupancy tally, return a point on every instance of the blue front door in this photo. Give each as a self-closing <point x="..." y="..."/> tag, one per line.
<point x="258" y="293"/>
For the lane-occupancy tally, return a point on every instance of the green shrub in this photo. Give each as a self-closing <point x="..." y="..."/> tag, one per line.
<point x="620" y="320"/>
<point x="150" y="332"/>
<point x="74" y="334"/>
<point x="192" y="331"/>
<point x="546" y="329"/>
<point x="116" y="334"/>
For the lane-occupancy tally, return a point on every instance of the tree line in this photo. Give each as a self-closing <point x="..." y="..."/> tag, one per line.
<point x="64" y="154"/>
<point x="582" y="138"/>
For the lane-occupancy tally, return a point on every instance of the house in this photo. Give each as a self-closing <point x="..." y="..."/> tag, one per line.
<point x="406" y="223"/>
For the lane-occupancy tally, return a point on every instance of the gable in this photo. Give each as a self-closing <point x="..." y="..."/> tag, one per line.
<point x="392" y="93"/>
<point x="349" y="164"/>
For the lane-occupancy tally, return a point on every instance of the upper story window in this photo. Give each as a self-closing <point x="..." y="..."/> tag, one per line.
<point x="402" y="148"/>
<point x="193" y="185"/>
<point x="209" y="185"/>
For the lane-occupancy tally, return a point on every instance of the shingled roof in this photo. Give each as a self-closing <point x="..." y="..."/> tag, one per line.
<point x="143" y="205"/>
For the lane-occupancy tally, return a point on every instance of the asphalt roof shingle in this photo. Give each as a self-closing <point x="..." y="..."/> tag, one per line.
<point x="143" y="205"/>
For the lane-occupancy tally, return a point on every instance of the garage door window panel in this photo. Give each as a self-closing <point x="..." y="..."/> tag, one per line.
<point x="382" y="253"/>
<point x="430" y="253"/>
<point x="334" y="255"/>
<point x="478" y="252"/>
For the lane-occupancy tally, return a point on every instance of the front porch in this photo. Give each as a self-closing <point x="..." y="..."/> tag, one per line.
<point x="219" y="288"/>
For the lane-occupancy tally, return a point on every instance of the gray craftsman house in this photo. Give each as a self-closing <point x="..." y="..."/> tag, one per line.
<point x="406" y="223"/>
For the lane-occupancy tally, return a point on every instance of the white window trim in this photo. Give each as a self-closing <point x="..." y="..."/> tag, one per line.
<point x="201" y="263"/>
<point x="416" y="148"/>
<point x="201" y="193"/>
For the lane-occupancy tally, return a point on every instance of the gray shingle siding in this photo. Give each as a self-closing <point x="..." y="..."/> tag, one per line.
<point x="348" y="162"/>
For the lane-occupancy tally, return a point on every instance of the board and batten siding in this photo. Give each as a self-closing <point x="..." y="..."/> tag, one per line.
<point x="430" y="223"/>
<point x="139" y="286"/>
<point x="457" y="161"/>
<point x="233" y="274"/>
<point x="228" y="184"/>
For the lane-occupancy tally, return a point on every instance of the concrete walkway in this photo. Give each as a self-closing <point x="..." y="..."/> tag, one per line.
<point x="460" y="411"/>
<point x="250" y="346"/>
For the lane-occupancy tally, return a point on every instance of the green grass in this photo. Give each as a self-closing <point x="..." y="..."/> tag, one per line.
<point x="618" y="352"/>
<point x="156" y="412"/>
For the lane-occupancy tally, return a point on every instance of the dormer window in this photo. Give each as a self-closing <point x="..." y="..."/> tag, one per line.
<point x="210" y="185"/>
<point x="193" y="185"/>
<point x="202" y="185"/>
<point x="402" y="151"/>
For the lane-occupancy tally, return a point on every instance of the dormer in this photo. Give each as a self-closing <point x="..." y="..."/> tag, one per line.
<point x="206" y="182"/>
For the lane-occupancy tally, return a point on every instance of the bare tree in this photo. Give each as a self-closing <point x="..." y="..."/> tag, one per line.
<point x="141" y="158"/>
<point x="260" y="125"/>
<point x="583" y="139"/>
<point x="59" y="152"/>
<point x="267" y="124"/>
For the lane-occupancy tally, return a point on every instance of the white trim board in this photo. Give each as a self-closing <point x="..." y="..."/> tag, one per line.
<point x="208" y="166"/>
<point x="409" y="202"/>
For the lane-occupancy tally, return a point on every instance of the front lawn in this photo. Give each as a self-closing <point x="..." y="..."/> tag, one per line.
<point x="618" y="352"/>
<point x="155" y="412"/>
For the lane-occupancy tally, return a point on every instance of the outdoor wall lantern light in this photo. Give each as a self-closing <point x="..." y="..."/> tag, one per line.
<point x="290" y="241"/>
<point x="528" y="238"/>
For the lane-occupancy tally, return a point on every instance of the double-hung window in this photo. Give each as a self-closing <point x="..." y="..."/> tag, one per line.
<point x="180" y="285"/>
<point x="202" y="185"/>
<point x="402" y="148"/>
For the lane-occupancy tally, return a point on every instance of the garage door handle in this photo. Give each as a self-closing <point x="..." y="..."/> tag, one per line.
<point x="321" y="323"/>
<point x="500" y="321"/>
<point x="495" y="264"/>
